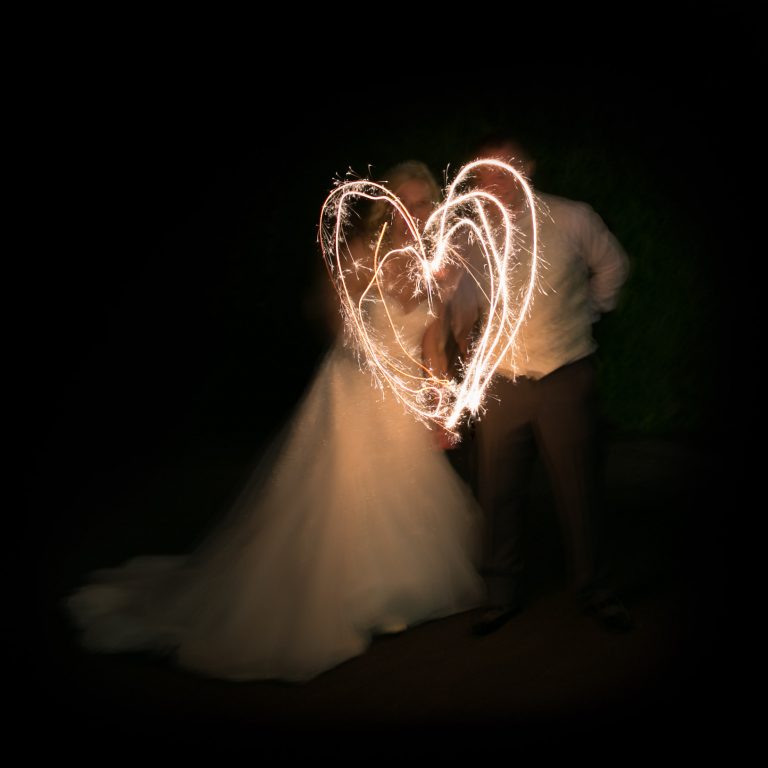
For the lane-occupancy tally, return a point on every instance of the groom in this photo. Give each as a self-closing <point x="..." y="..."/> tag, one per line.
<point x="543" y="400"/>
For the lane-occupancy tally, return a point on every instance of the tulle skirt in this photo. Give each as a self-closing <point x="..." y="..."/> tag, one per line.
<point x="355" y="525"/>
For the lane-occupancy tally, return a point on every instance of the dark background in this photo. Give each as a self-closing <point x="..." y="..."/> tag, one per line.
<point x="173" y="293"/>
<point x="169" y="321"/>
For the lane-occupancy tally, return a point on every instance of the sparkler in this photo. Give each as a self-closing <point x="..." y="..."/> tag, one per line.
<point x="471" y="231"/>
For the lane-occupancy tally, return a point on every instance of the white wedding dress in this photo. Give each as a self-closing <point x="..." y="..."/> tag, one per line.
<point x="355" y="526"/>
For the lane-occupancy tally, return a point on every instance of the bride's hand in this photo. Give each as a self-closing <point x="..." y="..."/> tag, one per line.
<point x="444" y="439"/>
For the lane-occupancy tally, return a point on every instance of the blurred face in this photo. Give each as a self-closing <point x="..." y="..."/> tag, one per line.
<point x="503" y="184"/>
<point x="416" y="196"/>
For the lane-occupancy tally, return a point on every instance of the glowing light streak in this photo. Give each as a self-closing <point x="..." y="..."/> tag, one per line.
<point x="469" y="221"/>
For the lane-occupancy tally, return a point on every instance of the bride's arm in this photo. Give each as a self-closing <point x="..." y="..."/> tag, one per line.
<point x="435" y="358"/>
<point x="357" y="266"/>
<point x="322" y="304"/>
<point x="359" y="271"/>
<point x="434" y="342"/>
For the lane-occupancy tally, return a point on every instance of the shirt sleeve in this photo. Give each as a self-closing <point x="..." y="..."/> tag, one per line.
<point x="606" y="260"/>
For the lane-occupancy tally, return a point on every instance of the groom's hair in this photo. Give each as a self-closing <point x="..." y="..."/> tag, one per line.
<point x="492" y="142"/>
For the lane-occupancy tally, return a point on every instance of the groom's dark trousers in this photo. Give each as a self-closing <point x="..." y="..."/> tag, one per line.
<point x="555" y="416"/>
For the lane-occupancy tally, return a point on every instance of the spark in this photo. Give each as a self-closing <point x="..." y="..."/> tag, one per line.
<point x="472" y="231"/>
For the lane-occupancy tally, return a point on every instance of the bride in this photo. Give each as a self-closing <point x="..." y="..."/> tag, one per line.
<point x="355" y="525"/>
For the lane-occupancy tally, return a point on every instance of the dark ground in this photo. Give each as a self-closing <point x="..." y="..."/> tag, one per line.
<point x="547" y="678"/>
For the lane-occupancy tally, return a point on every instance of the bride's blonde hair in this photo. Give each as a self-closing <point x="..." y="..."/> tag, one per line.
<point x="394" y="178"/>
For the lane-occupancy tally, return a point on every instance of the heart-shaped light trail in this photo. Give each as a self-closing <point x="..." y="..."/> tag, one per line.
<point x="473" y="231"/>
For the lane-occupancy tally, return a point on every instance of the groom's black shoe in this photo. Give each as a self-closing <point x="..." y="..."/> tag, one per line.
<point x="494" y="618"/>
